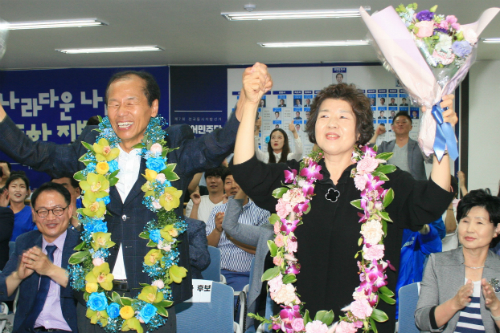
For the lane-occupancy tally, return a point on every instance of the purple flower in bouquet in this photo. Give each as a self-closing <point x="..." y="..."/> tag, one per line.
<point x="307" y="188"/>
<point x="425" y="15"/>
<point x="290" y="176"/>
<point x="369" y="151"/>
<point x="290" y="317"/>
<point x="289" y="226"/>
<point x="301" y="208"/>
<point x="312" y="172"/>
<point x="461" y="49"/>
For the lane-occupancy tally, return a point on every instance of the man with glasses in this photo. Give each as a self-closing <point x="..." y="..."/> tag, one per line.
<point x="38" y="267"/>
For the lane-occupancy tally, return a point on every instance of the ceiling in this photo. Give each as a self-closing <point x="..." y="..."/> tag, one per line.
<point x="193" y="32"/>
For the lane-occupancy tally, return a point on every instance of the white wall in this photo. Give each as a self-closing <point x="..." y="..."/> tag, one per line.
<point x="484" y="127"/>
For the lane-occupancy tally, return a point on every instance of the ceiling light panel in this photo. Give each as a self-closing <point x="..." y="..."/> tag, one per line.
<point x="317" y="44"/>
<point x="491" y="40"/>
<point x="74" y="23"/>
<point x="293" y="14"/>
<point x="147" y="48"/>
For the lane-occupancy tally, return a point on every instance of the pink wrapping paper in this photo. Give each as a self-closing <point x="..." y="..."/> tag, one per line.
<point x="401" y="56"/>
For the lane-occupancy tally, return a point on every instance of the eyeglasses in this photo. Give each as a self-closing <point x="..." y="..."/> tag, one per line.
<point x="43" y="213"/>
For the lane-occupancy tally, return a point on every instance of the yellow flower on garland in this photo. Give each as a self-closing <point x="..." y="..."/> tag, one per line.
<point x="177" y="273"/>
<point x="95" y="187"/>
<point x="127" y="312"/>
<point x="101" y="240"/>
<point x="93" y="209"/>
<point x="91" y="287"/>
<point x="170" y="198"/>
<point x="148" y="189"/>
<point x="103" y="152"/>
<point x="150" y="294"/>
<point x="152" y="257"/>
<point x="150" y="175"/>
<point x="97" y="316"/>
<point x="102" y="168"/>
<point x="168" y="232"/>
<point x="132" y="324"/>
<point x="100" y="275"/>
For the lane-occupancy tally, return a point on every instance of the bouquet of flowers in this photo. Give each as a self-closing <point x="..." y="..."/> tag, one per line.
<point x="430" y="54"/>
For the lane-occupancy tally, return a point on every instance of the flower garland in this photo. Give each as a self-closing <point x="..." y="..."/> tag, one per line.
<point x="89" y="271"/>
<point x="293" y="202"/>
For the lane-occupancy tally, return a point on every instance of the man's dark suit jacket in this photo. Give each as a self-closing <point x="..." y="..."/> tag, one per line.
<point x="6" y="226"/>
<point x="29" y="286"/>
<point x="127" y="219"/>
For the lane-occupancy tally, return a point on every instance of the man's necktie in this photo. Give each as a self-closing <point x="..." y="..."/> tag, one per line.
<point x="43" y="290"/>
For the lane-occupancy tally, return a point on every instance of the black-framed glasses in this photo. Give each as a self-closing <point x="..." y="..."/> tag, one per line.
<point x="43" y="213"/>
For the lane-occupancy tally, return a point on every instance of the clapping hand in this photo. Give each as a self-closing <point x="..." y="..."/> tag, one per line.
<point x="219" y="217"/>
<point x="462" y="298"/>
<point x="490" y="298"/>
<point x="35" y="260"/>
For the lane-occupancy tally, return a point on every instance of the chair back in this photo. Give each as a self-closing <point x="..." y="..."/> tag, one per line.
<point x="408" y="298"/>
<point x="212" y="272"/>
<point x="214" y="317"/>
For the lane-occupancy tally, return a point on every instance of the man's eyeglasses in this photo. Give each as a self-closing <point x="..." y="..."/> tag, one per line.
<point x="43" y="213"/>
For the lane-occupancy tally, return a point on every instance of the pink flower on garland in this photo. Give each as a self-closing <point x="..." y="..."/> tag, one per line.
<point x="344" y="327"/>
<point x="316" y="326"/>
<point x="368" y="165"/>
<point x="276" y="283"/>
<point x="373" y="252"/>
<point x="312" y="172"/>
<point x="293" y="269"/>
<point x="294" y="196"/>
<point x="278" y="261"/>
<point x="360" y="182"/>
<point x="368" y="151"/>
<point x="361" y="309"/>
<point x="285" y="295"/>
<point x="289" y="226"/>
<point x="291" y="244"/>
<point x="298" y="324"/>
<point x="283" y="208"/>
<point x="279" y="240"/>
<point x="301" y="208"/>
<point x="290" y="176"/>
<point x="277" y="227"/>
<point x="372" y="232"/>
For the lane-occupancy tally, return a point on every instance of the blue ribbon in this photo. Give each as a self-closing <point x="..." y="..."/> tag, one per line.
<point x="445" y="136"/>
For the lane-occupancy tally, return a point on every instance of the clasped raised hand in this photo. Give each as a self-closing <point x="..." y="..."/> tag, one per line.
<point x="256" y="82"/>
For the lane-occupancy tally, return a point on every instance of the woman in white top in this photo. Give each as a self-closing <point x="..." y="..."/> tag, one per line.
<point x="278" y="149"/>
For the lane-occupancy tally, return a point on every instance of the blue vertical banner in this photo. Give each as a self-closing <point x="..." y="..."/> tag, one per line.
<point x="54" y="105"/>
<point x="199" y="97"/>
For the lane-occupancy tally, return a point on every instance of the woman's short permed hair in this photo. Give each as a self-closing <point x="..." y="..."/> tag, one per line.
<point x="480" y="198"/>
<point x="360" y="106"/>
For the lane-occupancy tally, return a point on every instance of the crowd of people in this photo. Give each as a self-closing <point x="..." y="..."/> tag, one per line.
<point x="436" y="238"/>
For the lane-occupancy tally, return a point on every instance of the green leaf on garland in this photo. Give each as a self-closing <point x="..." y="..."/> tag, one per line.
<point x="126" y="301"/>
<point x="113" y="181"/>
<point x="273" y="248"/>
<point x="271" y="273"/>
<point x="433" y="9"/>
<point x="114" y="174"/>
<point x="169" y="173"/>
<point x="259" y="318"/>
<point x="79" y="176"/>
<point x="360" y="241"/>
<point x="165" y="303"/>
<point x="389" y="196"/>
<point x="151" y="244"/>
<point x="356" y="203"/>
<point x="115" y="297"/>
<point x="325" y="316"/>
<point x="289" y="278"/>
<point x="307" y="318"/>
<point x="80" y="246"/>
<point x="274" y="218"/>
<point x="78" y="257"/>
<point x="379" y="316"/>
<point x="380" y="175"/>
<point x="308" y="208"/>
<point x="278" y="193"/>
<point x="373" y="325"/>
<point x="144" y="235"/>
<point x="88" y="146"/>
<point x="385" y="216"/>
<point x="386" y="168"/>
<point x="384" y="227"/>
<point x="387" y="299"/>
<point x="100" y="118"/>
<point x="161" y="310"/>
<point x="386" y="291"/>
<point x="384" y="156"/>
<point x="138" y="146"/>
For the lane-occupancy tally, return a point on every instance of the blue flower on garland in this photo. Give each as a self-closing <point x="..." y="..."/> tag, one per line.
<point x="147" y="312"/>
<point x="113" y="166"/>
<point x="156" y="164"/>
<point x="113" y="310"/>
<point x="155" y="236"/>
<point x="97" y="301"/>
<point x="106" y="200"/>
<point x="91" y="167"/>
